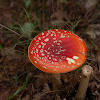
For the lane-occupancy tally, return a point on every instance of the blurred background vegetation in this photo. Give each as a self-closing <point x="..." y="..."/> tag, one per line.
<point x="20" y="22"/>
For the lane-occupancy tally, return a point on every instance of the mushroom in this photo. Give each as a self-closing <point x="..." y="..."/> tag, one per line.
<point x="57" y="51"/>
<point x="86" y="73"/>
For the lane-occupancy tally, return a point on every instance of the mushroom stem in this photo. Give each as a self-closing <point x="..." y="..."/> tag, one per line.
<point x="86" y="73"/>
<point x="56" y="81"/>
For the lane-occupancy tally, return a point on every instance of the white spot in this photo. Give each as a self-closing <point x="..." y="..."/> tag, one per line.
<point x="33" y="48"/>
<point x="54" y="59"/>
<point x="42" y="54"/>
<point x="52" y="55"/>
<point x="37" y="43"/>
<point x="37" y="59"/>
<point x="42" y="46"/>
<point x="52" y="45"/>
<point x="56" y="29"/>
<point x="63" y="50"/>
<point x="56" y="49"/>
<point x="84" y="53"/>
<point x="53" y="51"/>
<point x="32" y="52"/>
<point x="75" y="57"/>
<point x="49" y="57"/>
<point x="35" y="62"/>
<point x="39" y="46"/>
<point x="52" y="62"/>
<point x="78" y="63"/>
<point x="58" y="43"/>
<point x="60" y="60"/>
<point x="55" y="70"/>
<point x="59" y="32"/>
<point x="45" y="51"/>
<point x="43" y="43"/>
<point x="57" y="52"/>
<point x="57" y="66"/>
<point x="51" y="34"/>
<point x="72" y="66"/>
<point x="54" y="38"/>
<point x="80" y="39"/>
<point x="49" y="61"/>
<point x="42" y="33"/>
<point x="37" y="50"/>
<point x="63" y="57"/>
<point x="41" y="62"/>
<point x="47" y="39"/>
<point x="70" y="60"/>
<point x="55" y="35"/>
<point x="37" y="55"/>
<point x="39" y="38"/>
<point x="55" y="41"/>
<point x="62" y="36"/>
<point x="42" y="58"/>
<point x="44" y="67"/>
<point x="49" y="31"/>
<point x="68" y="67"/>
<point x="48" y="48"/>
<point x="56" y="63"/>
<point x="68" y="36"/>
<point x="41" y="50"/>
<point x="34" y="56"/>
<point x="48" y="52"/>
<point x="43" y="37"/>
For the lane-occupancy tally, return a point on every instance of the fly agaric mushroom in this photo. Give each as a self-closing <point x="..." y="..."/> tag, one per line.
<point x="57" y="51"/>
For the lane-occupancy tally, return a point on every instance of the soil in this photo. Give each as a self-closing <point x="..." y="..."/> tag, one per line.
<point x="79" y="16"/>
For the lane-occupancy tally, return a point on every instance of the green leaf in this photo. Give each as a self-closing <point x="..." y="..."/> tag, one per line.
<point x="0" y="46"/>
<point x="19" y="88"/>
<point x="27" y="3"/>
<point x="16" y="79"/>
<point x="77" y="23"/>
<point x="27" y="29"/>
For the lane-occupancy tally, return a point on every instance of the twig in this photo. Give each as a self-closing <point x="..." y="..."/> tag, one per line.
<point x="9" y="29"/>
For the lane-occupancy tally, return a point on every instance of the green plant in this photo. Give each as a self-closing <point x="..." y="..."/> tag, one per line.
<point x="16" y="92"/>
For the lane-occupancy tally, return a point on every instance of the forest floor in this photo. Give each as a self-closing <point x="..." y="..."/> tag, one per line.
<point x="20" y="22"/>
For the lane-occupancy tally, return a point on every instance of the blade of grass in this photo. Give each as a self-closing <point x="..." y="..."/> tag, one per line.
<point x="1" y="46"/>
<point x="94" y="45"/>
<point x="19" y="89"/>
<point x="20" y="43"/>
<point x="77" y="23"/>
<point x="16" y="79"/>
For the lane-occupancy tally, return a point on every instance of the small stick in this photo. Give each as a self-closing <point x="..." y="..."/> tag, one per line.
<point x="86" y="73"/>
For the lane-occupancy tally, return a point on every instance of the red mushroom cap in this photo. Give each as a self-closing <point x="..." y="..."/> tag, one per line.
<point x="57" y="51"/>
